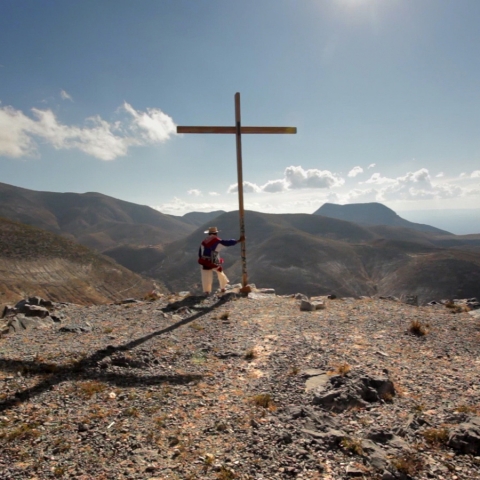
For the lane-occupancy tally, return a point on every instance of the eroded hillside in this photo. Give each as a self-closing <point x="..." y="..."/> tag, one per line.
<point x="33" y="261"/>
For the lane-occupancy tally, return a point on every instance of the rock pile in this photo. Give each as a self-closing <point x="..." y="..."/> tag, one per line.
<point x="32" y="312"/>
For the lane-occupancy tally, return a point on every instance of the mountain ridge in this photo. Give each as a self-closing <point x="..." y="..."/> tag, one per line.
<point x="93" y="219"/>
<point x="372" y="213"/>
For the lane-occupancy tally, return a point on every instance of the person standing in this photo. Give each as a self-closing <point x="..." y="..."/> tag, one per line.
<point x="209" y="259"/>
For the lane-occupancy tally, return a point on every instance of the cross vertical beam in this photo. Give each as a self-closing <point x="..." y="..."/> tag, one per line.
<point x="238" y="130"/>
<point x="241" y="211"/>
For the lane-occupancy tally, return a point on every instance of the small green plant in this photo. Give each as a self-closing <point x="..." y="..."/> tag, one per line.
<point x="352" y="445"/>
<point x="417" y="328"/>
<point x="199" y="357"/>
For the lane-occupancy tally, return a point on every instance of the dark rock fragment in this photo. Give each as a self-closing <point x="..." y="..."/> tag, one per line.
<point x="127" y="301"/>
<point x="465" y="438"/>
<point x="8" y="311"/>
<point x="75" y="329"/>
<point x="40" y="302"/>
<point x="34" y="311"/>
<point x="344" y="392"/>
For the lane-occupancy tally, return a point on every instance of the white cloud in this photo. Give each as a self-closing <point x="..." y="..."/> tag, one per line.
<point x="355" y="171"/>
<point x="65" y="96"/>
<point x="371" y="166"/>
<point x="377" y="179"/>
<point x="153" y="125"/>
<point x="362" y="196"/>
<point x="194" y="192"/>
<point x="439" y="175"/>
<point x="412" y="186"/>
<point x="297" y="177"/>
<point x="213" y="194"/>
<point x="98" y="138"/>
<point x="475" y="174"/>
<point x="248" y="187"/>
<point x="274" y="186"/>
<point x="15" y="127"/>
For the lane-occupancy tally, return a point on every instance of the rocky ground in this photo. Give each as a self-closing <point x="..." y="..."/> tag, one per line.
<point x="241" y="388"/>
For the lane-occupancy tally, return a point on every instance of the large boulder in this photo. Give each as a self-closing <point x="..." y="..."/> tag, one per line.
<point x="353" y="390"/>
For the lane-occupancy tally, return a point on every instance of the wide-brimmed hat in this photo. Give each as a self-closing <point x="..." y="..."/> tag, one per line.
<point x="211" y="230"/>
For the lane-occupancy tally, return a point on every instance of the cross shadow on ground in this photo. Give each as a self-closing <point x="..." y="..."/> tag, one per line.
<point x="55" y="374"/>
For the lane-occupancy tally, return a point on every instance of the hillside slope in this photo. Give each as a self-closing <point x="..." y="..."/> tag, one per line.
<point x="36" y="262"/>
<point x="318" y="255"/>
<point x="93" y="219"/>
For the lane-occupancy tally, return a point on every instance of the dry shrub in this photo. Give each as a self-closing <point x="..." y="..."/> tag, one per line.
<point x="294" y="370"/>
<point x="226" y="474"/>
<point x="250" y="354"/>
<point x="23" y="431"/>
<point x="341" y="369"/>
<point x="131" y="412"/>
<point x="466" y="409"/>
<point x="90" y="388"/>
<point x="387" y="397"/>
<point x="352" y="445"/>
<point x="454" y="308"/>
<point x="196" y="327"/>
<point x="263" y="400"/>
<point x="408" y="464"/>
<point x="417" y="328"/>
<point x="436" y="436"/>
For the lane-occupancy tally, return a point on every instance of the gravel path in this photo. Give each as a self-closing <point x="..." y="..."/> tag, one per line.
<point x="242" y="388"/>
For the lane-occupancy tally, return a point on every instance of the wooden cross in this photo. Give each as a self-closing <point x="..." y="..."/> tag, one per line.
<point x="238" y="130"/>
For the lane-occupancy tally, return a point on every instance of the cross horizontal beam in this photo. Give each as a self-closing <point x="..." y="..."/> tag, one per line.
<point x="234" y="130"/>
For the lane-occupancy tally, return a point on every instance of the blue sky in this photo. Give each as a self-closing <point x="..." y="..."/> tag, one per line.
<point x="384" y="94"/>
